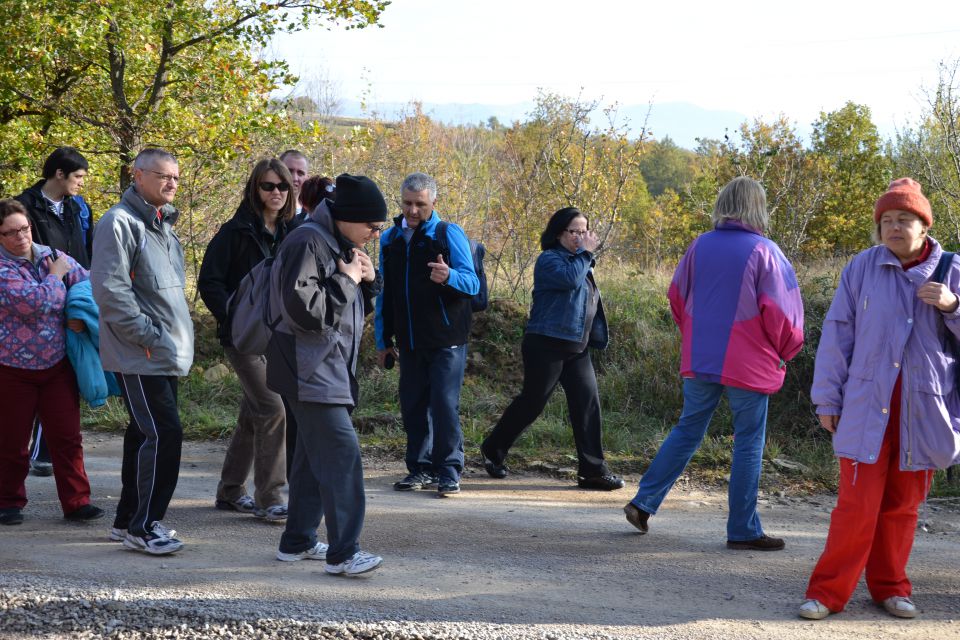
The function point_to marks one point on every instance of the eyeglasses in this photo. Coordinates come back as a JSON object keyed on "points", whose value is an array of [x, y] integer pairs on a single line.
{"points": [[165, 177], [376, 228], [283, 187], [22, 231], [576, 232]]}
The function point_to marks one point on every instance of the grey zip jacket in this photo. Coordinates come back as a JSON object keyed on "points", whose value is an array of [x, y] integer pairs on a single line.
{"points": [[138, 282], [312, 354]]}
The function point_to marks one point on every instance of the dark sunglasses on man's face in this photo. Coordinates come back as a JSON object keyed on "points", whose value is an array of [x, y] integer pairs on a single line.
{"points": [[270, 186]]}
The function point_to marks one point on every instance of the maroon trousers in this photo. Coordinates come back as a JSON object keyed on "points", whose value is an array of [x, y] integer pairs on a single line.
{"points": [[52, 394]]}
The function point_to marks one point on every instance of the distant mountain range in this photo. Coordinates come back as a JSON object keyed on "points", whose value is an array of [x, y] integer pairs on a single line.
{"points": [[681, 121]]}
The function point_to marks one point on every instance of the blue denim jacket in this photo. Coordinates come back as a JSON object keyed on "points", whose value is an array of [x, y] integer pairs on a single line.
{"points": [[560, 291]]}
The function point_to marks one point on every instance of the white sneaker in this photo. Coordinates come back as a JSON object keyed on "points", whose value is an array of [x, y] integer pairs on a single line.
{"points": [[316, 552], [813, 610], [155, 542], [900, 606], [360, 562], [118, 535]]}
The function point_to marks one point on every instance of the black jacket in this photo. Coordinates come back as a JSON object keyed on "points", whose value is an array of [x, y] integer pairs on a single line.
{"points": [[238, 246], [417, 312], [63, 235]]}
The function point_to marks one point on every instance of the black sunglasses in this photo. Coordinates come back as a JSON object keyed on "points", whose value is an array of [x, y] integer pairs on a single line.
{"points": [[270, 186]]}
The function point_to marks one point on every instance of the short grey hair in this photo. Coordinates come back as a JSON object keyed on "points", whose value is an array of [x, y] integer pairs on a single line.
{"points": [[149, 157], [420, 182], [742, 199]]}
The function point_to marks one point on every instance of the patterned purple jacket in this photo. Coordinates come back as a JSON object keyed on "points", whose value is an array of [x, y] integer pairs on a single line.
{"points": [[32, 302]]}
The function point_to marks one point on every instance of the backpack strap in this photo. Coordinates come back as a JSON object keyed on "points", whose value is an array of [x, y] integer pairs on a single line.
{"points": [[442, 236], [946, 259]]}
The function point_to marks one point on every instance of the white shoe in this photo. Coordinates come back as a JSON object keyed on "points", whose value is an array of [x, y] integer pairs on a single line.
{"points": [[118, 535], [316, 552], [813, 610], [900, 606], [360, 562], [156, 541]]}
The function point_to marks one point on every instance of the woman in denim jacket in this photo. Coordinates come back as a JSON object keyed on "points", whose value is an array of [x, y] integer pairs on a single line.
{"points": [[566, 319], [884, 385]]}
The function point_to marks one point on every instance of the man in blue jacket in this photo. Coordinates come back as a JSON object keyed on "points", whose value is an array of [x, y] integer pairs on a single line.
{"points": [[423, 319]]}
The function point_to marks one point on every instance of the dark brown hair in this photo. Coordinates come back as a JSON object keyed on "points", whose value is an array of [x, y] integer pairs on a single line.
{"points": [[252, 192], [9, 206], [314, 189]]}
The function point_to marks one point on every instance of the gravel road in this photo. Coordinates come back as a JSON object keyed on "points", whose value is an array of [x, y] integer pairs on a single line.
{"points": [[525, 557]]}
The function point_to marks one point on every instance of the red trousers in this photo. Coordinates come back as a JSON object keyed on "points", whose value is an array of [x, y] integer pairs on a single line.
{"points": [[872, 527], [52, 394]]}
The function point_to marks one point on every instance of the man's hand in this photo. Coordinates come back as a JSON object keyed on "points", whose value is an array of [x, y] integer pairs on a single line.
{"points": [[439, 271], [368, 273], [59, 267], [353, 269], [76, 325], [829, 423], [383, 354]]}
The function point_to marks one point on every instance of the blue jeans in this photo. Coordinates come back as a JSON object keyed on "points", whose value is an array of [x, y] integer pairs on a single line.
{"points": [[430, 381], [700, 399]]}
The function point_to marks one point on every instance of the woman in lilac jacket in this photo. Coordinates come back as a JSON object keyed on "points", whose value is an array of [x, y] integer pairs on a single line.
{"points": [[885, 387], [735, 298]]}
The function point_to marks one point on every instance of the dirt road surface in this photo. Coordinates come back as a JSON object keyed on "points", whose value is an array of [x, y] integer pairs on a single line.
{"points": [[525, 557]]}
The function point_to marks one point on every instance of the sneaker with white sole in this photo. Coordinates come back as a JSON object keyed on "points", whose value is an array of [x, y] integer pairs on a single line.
{"points": [[316, 552], [813, 610], [155, 541], [243, 504], [900, 607], [119, 535], [360, 562], [276, 513]]}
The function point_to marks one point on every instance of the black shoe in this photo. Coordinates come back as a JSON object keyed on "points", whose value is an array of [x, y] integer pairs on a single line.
{"points": [[637, 517], [606, 482], [763, 543], [415, 482], [84, 513], [41, 468], [11, 515], [447, 487], [494, 469]]}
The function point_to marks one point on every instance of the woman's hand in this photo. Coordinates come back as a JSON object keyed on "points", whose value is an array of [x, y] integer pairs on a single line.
{"points": [[590, 241], [59, 267], [76, 325], [938, 295], [829, 422]]}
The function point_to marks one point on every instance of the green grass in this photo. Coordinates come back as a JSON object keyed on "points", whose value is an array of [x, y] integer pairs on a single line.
{"points": [[640, 391]]}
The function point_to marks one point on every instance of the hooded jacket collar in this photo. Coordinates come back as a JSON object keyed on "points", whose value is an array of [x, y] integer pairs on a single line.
{"points": [[135, 203]]}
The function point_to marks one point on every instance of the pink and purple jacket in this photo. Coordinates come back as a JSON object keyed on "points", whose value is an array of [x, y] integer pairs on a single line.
{"points": [[32, 303], [737, 303]]}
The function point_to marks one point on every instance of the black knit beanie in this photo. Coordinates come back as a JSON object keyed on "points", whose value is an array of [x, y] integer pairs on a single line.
{"points": [[358, 200]]}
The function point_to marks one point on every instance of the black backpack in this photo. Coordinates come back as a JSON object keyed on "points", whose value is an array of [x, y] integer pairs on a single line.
{"points": [[481, 299]]}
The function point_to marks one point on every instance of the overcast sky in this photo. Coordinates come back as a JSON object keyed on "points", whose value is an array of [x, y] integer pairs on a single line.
{"points": [[756, 58]]}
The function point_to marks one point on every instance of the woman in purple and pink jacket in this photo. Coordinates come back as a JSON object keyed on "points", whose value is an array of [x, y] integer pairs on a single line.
{"points": [[885, 386], [735, 298], [35, 373]]}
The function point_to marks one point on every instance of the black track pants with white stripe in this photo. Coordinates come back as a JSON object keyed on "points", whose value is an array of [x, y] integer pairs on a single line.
{"points": [[151, 451]]}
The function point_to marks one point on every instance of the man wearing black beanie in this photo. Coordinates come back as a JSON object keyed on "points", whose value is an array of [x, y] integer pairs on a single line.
{"points": [[322, 284]]}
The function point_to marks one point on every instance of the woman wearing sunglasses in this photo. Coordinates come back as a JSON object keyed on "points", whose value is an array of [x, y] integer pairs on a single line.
{"points": [[262, 220]]}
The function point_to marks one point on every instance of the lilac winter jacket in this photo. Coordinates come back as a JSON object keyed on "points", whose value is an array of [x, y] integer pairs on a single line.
{"points": [[875, 329]]}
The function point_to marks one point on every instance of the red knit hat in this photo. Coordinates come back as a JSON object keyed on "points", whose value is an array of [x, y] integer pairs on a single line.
{"points": [[904, 194]]}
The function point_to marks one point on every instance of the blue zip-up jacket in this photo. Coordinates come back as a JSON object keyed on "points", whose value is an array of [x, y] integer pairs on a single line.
{"points": [[83, 349], [413, 311]]}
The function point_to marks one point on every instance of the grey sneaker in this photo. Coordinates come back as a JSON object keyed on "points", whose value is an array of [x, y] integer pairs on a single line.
{"points": [[447, 488], [813, 610], [900, 607], [276, 513], [316, 552], [360, 562], [243, 504], [415, 482], [152, 542], [41, 468]]}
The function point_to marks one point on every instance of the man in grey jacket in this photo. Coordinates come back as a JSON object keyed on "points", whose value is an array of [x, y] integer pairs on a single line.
{"points": [[146, 338], [322, 285]]}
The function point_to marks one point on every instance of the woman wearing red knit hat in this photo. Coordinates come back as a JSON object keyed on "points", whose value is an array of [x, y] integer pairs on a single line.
{"points": [[884, 386]]}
